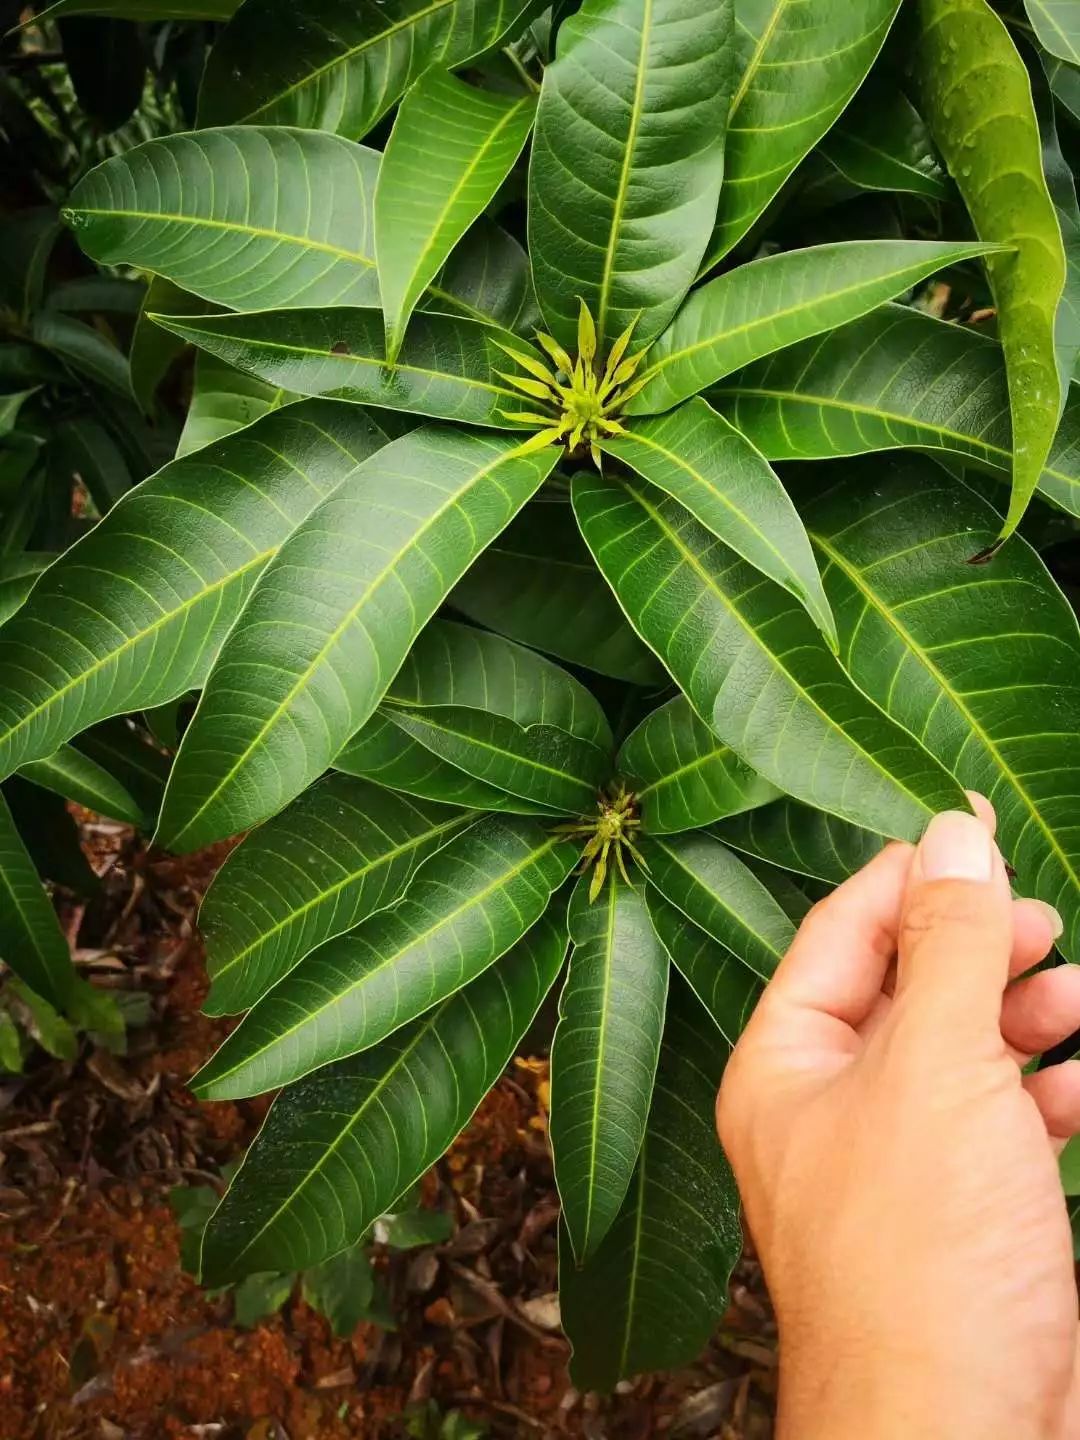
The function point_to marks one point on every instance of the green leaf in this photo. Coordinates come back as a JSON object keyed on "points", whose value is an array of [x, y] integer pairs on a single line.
{"points": [[701, 460], [338, 64], [682, 775], [800, 70], [895, 378], [748, 657], [770, 303], [31, 941], [258, 1296], [338, 1149], [467, 905], [658, 1285], [383, 752], [81, 445], [537, 583], [603, 1058], [981, 664], [246, 217], [10, 405], [451, 148], [133, 614], [97, 293], [84, 350], [445, 368], [883, 143], [798, 837], [224, 399], [342, 1288], [488, 277], [342, 851], [637, 87], [386, 546], [712, 887], [45, 1023], [28, 240], [153, 350], [11, 1053], [77, 777], [17, 575], [964, 47], [1057, 27], [149, 11], [727, 989]]}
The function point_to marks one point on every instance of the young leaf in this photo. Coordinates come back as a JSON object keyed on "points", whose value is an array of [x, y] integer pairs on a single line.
{"points": [[652, 1294], [342, 851], [682, 775], [32, 944], [798, 837], [340, 64], [727, 989], [636, 86], [603, 1058], [713, 887], [770, 303], [446, 367], [748, 657], [963, 46], [538, 584], [701, 460], [917, 634], [895, 378], [387, 547], [801, 67], [133, 614], [451, 148], [338, 1149], [467, 905]]}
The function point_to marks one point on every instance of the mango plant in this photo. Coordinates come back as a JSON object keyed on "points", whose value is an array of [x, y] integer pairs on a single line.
{"points": [[529, 646]]}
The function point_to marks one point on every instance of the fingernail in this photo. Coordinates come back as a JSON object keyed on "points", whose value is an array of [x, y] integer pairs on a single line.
{"points": [[956, 847], [1057, 925]]}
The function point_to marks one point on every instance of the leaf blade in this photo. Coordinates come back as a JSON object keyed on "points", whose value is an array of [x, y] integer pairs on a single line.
{"points": [[31, 941]]}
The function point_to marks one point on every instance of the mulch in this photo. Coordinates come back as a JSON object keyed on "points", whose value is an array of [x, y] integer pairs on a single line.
{"points": [[102, 1335]]}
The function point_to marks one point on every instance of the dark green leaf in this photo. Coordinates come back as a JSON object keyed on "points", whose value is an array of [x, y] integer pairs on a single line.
{"points": [[682, 775], [84, 349], [468, 904], [711, 469], [749, 658], [31, 941], [603, 1059], [82, 446], [133, 614], [145, 10], [652, 1295], [106, 65], [339, 1148], [451, 148], [224, 399], [981, 664], [76, 777], [153, 349], [638, 86], [97, 293], [17, 574], [727, 989], [258, 1296], [28, 239], [342, 1288], [800, 838], [387, 547], [340, 852], [770, 303], [882, 143], [488, 278], [964, 47]]}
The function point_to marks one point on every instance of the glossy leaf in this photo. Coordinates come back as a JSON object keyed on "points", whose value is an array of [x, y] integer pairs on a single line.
{"points": [[446, 367], [658, 1285], [748, 657], [340, 64], [761, 307], [712, 887], [1057, 26], [467, 905], [133, 614], [990, 688], [386, 546], [338, 1149], [538, 584], [17, 575], [77, 777], [32, 944], [727, 989], [603, 1058], [895, 378], [882, 143], [342, 851], [800, 69], [636, 86], [682, 775], [451, 148], [224, 399], [964, 47], [797, 837], [709, 467]]}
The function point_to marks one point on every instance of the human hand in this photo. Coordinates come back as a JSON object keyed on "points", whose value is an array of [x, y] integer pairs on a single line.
{"points": [[897, 1169]]}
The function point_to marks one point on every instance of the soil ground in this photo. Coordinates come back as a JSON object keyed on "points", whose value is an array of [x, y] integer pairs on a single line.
{"points": [[103, 1337]]}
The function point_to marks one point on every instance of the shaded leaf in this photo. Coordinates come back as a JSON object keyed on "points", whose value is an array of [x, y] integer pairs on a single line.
{"points": [[82, 446], [342, 1288], [144, 10], [727, 989], [224, 399], [32, 944], [488, 277], [882, 143], [77, 777], [17, 574], [84, 349], [798, 837], [105, 63]]}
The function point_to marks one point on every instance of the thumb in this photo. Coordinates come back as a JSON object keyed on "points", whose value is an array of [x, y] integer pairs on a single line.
{"points": [[955, 930]]}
